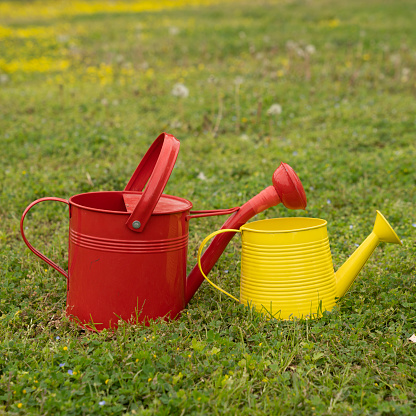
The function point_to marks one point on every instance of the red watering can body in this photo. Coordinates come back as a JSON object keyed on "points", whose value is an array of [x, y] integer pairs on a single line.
{"points": [[128, 249]]}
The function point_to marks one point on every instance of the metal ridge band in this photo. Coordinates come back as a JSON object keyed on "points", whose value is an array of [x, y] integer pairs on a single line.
{"points": [[282, 294], [289, 281], [128, 246], [284, 248]]}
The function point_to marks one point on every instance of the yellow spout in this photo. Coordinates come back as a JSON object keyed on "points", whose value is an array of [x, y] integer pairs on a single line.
{"points": [[347, 273]]}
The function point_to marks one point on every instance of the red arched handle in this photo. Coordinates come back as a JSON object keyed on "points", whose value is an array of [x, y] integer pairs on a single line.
{"points": [[38, 253], [155, 167]]}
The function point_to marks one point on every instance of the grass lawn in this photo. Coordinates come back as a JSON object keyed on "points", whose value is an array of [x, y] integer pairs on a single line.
{"points": [[85, 88]]}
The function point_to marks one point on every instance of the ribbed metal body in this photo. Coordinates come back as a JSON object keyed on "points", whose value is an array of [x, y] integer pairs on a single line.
{"points": [[286, 267], [115, 273]]}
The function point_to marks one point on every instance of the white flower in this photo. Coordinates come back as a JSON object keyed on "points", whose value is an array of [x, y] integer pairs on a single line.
{"points": [[405, 74], [62, 38], [202, 177], [274, 110], [395, 59], [300, 51], [175, 125], [179, 90], [310, 49], [238, 81], [290, 44], [173, 30]]}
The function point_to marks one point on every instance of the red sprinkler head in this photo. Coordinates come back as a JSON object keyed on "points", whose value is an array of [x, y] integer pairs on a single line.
{"points": [[289, 187]]}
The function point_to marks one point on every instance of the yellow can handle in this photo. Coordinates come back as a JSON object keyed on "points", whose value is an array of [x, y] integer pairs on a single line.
{"points": [[225, 230]]}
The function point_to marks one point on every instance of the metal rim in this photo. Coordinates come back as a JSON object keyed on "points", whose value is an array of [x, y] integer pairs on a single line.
{"points": [[320, 223], [105, 211]]}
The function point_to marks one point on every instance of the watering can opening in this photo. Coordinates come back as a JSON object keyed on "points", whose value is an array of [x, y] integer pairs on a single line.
{"points": [[284, 225], [100, 201], [124, 202], [167, 204], [116, 202], [285, 231]]}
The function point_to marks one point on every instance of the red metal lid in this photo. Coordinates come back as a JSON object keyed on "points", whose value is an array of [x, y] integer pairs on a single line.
{"points": [[167, 204]]}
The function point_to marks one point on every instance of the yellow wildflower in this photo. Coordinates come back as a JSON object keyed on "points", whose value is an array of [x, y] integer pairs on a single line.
{"points": [[334, 23]]}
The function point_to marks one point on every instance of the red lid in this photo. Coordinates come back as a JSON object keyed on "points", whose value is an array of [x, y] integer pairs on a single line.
{"points": [[167, 204]]}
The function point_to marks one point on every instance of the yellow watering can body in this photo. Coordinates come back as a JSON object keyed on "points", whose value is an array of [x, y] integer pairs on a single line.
{"points": [[286, 265]]}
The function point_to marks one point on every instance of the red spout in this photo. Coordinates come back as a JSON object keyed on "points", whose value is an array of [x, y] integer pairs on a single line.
{"points": [[287, 188]]}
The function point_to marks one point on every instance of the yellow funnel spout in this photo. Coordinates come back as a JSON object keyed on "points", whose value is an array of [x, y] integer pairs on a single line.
{"points": [[347, 273]]}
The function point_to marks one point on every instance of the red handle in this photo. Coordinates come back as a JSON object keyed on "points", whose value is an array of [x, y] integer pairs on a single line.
{"points": [[38, 253], [155, 167]]}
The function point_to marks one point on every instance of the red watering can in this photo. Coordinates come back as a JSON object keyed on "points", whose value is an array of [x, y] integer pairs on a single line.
{"points": [[128, 250]]}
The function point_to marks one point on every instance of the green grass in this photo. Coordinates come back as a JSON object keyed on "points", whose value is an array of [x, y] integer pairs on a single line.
{"points": [[348, 129]]}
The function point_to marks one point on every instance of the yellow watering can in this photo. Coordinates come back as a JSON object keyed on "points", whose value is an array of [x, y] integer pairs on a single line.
{"points": [[286, 265]]}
